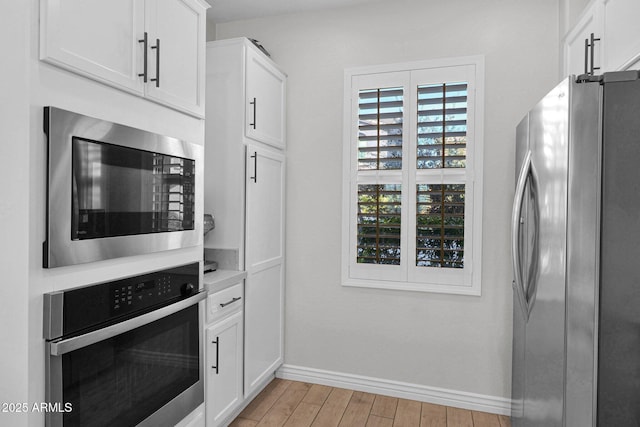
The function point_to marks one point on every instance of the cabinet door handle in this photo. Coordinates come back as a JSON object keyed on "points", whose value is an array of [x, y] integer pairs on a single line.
{"points": [[589, 49], [255, 106], [255, 167], [145, 43], [224, 304], [593, 48], [217, 343], [157, 48]]}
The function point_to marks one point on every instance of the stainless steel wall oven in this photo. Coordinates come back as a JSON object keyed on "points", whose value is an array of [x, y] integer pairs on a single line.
{"points": [[115, 191], [127, 352]]}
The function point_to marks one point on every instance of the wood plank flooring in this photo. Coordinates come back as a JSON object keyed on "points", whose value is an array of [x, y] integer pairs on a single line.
{"points": [[296, 404]]}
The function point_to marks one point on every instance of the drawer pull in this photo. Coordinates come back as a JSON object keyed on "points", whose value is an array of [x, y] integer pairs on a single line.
{"points": [[224, 304]]}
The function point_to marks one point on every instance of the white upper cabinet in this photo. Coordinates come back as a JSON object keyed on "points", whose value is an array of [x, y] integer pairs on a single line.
{"points": [[613, 22], [105, 41], [178, 77], [574, 43], [105, 49], [265, 100], [621, 34]]}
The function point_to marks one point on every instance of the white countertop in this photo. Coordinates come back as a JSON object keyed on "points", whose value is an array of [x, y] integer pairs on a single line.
{"points": [[218, 280]]}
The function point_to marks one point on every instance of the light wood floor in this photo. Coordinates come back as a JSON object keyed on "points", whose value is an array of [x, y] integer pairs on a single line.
{"points": [[297, 404]]}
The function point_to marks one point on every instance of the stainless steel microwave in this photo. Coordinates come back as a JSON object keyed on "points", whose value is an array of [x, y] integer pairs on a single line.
{"points": [[115, 191]]}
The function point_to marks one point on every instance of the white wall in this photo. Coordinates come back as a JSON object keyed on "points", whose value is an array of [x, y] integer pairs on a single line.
{"points": [[14, 204], [453, 342]]}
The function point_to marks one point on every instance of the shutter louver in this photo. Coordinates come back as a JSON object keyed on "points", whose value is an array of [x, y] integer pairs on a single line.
{"points": [[380, 118], [379, 221], [442, 126], [440, 225]]}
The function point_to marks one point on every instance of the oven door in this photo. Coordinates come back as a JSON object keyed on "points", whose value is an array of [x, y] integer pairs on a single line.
{"points": [[143, 371]]}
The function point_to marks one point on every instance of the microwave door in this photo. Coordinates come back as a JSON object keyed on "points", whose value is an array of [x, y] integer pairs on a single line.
{"points": [[116, 191]]}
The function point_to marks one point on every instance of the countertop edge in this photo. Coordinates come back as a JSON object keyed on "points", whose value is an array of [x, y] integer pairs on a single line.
{"points": [[221, 279]]}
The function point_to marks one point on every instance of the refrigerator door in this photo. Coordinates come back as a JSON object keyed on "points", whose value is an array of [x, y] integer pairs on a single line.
{"points": [[619, 321], [541, 270], [583, 233], [519, 252]]}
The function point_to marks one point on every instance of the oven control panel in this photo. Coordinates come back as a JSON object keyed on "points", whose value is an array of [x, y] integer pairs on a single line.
{"points": [[84, 307], [127, 297], [131, 295]]}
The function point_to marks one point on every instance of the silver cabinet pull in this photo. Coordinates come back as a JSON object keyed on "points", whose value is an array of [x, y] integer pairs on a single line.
{"points": [[157, 48], [224, 304], [217, 343], [589, 48], [255, 167], [145, 44], [255, 106]]}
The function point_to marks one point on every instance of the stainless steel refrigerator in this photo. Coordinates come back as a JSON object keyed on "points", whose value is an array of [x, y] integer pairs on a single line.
{"points": [[576, 256]]}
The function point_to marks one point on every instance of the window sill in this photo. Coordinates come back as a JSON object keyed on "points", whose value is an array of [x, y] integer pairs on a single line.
{"points": [[415, 287]]}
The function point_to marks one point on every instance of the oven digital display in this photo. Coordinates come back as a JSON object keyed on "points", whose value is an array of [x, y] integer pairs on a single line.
{"points": [[149, 284]]}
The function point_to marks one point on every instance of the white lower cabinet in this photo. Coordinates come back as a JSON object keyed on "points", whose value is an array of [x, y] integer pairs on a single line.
{"points": [[224, 356], [264, 326]]}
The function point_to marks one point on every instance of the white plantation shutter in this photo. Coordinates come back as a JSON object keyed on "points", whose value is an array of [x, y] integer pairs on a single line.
{"points": [[413, 146], [379, 224], [440, 225], [442, 125], [380, 119]]}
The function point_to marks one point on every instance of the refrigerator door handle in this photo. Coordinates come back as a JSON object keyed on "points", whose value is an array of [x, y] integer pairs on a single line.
{"points": [[527, 173]]}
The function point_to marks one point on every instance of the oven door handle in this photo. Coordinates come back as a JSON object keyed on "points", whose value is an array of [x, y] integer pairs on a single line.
{"points": [[58, 348]]}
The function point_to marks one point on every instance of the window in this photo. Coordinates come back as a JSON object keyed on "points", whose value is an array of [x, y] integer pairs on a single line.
{"points": [[413, 176]]}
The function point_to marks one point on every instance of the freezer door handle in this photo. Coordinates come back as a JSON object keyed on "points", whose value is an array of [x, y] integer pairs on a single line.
{"points": [[526, 296]]}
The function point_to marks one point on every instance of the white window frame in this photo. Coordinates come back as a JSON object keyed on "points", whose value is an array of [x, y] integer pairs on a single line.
{"points": [[407, 276]]}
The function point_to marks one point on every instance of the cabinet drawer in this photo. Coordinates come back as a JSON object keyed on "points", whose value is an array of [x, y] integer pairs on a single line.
{"points": [[225, 302]]}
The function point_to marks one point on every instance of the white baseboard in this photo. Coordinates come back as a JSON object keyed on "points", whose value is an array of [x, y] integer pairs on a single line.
{"points": [[439, 396]]}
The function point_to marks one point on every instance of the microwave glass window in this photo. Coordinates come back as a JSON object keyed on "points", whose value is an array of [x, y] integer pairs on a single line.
{"points": [[120, 191], [122, 380]]}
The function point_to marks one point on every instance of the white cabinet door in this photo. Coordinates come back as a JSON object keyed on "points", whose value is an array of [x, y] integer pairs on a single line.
{"points": [[176, 53], [96, 38], [621, 34], [265, 101], [264, 288], [224, 368], [105, 41], [264, 207], [264, 325], [574, 43]]}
